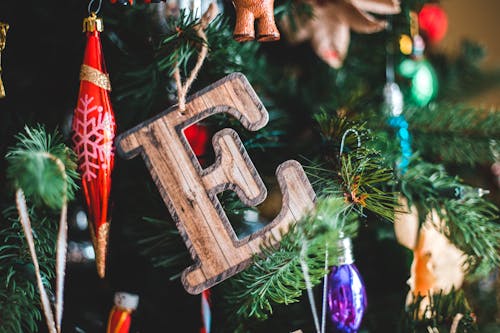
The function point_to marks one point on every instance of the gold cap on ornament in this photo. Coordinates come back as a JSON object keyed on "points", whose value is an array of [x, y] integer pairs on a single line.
{"points": [[93, 23]]}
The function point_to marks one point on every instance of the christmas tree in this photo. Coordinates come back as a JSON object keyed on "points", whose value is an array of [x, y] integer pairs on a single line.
{"points": [[387, 220]]}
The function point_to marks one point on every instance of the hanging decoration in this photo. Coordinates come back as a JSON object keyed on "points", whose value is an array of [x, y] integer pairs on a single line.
{"points": [[120, 317], [347, 299], [190, 192], [94, 131], [4, 27], [394, 104], [424, 82], [433, 22], [329, 28], [251, 12], [438, 265], [206, 312]]}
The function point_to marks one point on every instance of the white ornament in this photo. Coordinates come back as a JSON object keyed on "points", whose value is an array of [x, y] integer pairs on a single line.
{"points": [[393, 98]]}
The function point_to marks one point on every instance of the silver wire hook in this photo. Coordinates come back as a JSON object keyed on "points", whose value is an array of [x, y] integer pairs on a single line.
{"points": [[98, 8], [345, 135]]}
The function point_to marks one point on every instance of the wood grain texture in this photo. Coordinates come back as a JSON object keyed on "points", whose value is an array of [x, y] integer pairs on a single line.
{"points": [[190, 192]]}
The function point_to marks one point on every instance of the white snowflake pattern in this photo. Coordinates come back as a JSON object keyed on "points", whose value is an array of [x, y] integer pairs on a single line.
{"points": [[93, 137]]}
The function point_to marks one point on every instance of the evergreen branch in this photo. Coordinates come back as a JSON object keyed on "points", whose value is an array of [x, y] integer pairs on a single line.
{"points": [[19, 300], [461, 76], [362, 180], [439, 314], [160, 241], [454, 133], [162, 244], [332, 127], [471, 221], [276, 276], [364, 175], [33, 166]]}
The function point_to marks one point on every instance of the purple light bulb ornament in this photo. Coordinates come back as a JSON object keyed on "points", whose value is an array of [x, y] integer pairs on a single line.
{"points": [[346, 292]]}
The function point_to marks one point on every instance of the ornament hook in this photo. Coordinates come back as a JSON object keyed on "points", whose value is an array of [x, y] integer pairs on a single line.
{"points": [[91, 3], [345, 135]]}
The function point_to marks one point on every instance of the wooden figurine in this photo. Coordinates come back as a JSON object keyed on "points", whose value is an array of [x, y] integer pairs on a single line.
{"points": [[190, 192], [249, 11]]}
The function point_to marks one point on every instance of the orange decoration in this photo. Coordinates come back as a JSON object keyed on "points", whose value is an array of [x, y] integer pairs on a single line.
{"points": [[422, 269], [120, 317], [438, 265]]}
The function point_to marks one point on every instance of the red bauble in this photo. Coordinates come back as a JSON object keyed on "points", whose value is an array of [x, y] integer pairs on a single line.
{"points": [[433, 22], [197, 136], [94, 131]]}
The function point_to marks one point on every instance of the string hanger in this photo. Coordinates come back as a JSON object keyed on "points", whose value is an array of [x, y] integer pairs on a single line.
{"points": [[183, 88], [91, 3]]}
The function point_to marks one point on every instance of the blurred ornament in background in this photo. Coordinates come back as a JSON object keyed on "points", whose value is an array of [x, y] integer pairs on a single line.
{"points": [[393, 99], [495, 169], [161, 12], [80, 253], [120, 317], [81, 220], [198, 137], [433, 22], [122, 2], [206, 311], [347, 299], [424, 81], [4, 27], [329, 27], [405, 44], [418, 46], [437, 265], [401, 125]]}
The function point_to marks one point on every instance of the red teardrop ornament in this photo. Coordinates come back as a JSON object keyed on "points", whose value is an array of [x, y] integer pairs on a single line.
{"points": [[94, 131]]}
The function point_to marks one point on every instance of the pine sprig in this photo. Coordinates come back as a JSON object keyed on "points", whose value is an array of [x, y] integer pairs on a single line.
{"points": [[179, 47], [362, 181], [33, 167], [471, 221], [364, 176], [276, 276], [439, 314]]}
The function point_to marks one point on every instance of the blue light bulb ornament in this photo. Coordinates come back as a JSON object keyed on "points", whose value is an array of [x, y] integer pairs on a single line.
{"points": [[347, 299]]}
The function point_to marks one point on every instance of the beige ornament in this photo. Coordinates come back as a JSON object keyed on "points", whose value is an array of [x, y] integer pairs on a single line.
{"points": [[329, 28], [438, 265], [190, 192]]}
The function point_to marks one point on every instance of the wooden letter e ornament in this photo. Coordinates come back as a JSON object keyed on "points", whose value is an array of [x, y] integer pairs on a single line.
{"points": [[190, 192]]}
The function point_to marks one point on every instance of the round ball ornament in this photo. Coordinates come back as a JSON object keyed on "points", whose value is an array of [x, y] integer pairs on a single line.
{"points": [[433, 22]]}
